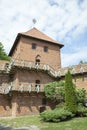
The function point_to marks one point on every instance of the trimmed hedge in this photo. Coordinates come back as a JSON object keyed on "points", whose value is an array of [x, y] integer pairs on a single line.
{"points": [[81, 111], [56, 115]]}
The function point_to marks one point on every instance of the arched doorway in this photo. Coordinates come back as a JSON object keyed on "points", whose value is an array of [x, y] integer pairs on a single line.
{"points": [[37, 60], [37, 85]]}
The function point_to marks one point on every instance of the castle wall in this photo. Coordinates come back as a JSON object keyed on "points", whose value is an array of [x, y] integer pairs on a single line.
{"points": [[5, 105], [29, 103], [29, 77], [25, 52], [16, 53], [81, 81], [25, 103], [4, 81]]}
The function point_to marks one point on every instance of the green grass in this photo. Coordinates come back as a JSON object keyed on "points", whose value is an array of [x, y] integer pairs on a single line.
{"points": [[74, 124]]}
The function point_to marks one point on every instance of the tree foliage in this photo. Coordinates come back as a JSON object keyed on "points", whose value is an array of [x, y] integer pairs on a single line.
{"points": [[73, 104], [54, 90], [81, 95], [3, 55], [70, 95]]}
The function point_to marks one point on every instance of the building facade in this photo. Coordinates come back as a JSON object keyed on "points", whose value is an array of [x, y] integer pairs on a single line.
{"points": [[35, 61]]}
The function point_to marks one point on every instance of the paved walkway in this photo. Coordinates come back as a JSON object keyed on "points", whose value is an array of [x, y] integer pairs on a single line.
{"points": [[22, 128]]}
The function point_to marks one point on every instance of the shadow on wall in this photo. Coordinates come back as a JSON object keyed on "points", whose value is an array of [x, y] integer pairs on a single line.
{"points": [[5, 101]]}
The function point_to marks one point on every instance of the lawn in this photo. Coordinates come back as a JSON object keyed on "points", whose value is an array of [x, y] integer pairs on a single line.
{"points": [[74, 124]]}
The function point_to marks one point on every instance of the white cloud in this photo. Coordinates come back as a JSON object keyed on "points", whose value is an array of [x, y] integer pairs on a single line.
{"points": [[74, 58], [60, 19]]}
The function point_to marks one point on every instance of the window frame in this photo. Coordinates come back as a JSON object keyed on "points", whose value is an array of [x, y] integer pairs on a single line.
{"points": [[45, 48], [44, 101], [34, 46]]}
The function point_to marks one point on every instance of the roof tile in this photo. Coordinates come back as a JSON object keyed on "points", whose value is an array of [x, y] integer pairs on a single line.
{"points": [[40, 35]]}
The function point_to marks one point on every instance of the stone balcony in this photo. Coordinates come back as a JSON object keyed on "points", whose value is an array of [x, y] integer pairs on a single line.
{"points": [[75, 69], [22, 87], [30, 65], [10, 67]]}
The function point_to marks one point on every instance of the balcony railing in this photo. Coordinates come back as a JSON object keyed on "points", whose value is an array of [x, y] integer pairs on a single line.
{"points": [[31, 87], [32, 65], [24, 87], [10, 67]]}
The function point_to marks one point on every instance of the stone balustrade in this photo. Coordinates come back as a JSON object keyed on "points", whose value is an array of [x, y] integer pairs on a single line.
{"points": [[76, 69], [22, 87]]}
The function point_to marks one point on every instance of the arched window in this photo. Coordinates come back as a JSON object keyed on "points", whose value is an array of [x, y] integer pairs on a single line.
{"points": [[37, 60]]}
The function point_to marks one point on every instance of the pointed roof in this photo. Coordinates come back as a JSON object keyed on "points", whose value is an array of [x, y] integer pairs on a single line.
{"points": [[36, 34]]}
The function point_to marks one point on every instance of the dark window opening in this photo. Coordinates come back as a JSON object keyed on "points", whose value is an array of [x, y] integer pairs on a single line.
{"points": [[45, 49], [34, 46], [44, 102], [37, 81], [37, 62], [42, 109], [37, 84]]}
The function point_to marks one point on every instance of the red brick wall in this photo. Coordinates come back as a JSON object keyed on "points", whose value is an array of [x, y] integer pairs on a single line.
{"points": [[29, 103], [5, 105], [24, 76], [4, 80], [24, 51], [81, 81], [26, 103]]}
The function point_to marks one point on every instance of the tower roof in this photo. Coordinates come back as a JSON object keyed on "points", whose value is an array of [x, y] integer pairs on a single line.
{"points": [[34, 33]]}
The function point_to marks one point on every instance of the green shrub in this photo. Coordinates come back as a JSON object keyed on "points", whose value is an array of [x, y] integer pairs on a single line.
{"points": [[81, 111], [80, 94], [56, 115], [60, 105], [50, 90], [55, 90]]}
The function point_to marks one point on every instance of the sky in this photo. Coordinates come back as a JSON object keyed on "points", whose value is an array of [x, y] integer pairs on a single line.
{"points": [[63, 20]]}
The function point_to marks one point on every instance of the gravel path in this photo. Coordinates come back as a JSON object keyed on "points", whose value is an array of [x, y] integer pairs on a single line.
{"points": [[22, 128]]}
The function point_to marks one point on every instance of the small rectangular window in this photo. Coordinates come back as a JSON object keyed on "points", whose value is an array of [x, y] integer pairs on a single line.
{"points": [[45, 49], [33, 46], [44, 102]]}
